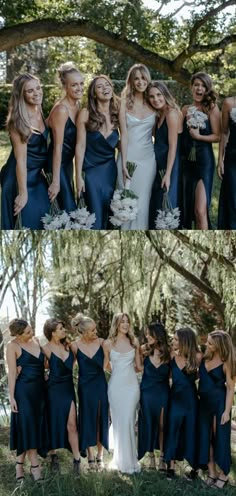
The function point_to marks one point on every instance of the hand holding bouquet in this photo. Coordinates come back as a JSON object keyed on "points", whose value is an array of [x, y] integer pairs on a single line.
{"points": [[124, 203]]}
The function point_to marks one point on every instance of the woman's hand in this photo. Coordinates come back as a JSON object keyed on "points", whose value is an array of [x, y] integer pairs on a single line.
{"points": [[165, 183], [125, 174], [80, 186], [225, 418], [14, 407], [20, 202], [194, 133], [53, 191], [220, 169]]}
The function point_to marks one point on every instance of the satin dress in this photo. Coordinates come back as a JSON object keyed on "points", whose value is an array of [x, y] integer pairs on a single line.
{"points": [[141, 151], [38, 203], [100, 175], [123, 394], [181, 439], [60, 396], [161, 148], [28, 427], [93, 400], [212, 393], [154, 398], [66, 196], [194, 171], [227, 202]]}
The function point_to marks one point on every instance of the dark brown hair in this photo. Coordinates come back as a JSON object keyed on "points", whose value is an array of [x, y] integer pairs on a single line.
{"points": [[210, 96], [188, 348], [50, 326], [96, 119], [158, 332], [17, 326]]}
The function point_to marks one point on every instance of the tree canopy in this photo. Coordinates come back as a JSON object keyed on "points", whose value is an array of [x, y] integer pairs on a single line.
{"points": [[170, 45]]}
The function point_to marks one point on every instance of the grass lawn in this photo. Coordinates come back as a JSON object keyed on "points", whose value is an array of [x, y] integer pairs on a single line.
{"points": [[5, 150], [107, 483]]}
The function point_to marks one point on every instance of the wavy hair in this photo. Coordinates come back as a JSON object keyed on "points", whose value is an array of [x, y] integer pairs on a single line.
{"points": [[158, 332], [50, 326], [116, 321], [224, 346], [169, 99], [129, 91], [210, 96], [18, 118], [188, 348], [96, 119]]}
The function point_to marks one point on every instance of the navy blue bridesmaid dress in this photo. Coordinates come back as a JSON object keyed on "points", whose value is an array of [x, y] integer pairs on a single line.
{"points": [[60, 396], [161, 148], [93, 400], [38, 203], [100, 174], [212, 393], [181, 439], [227, 202], [154, 397], [66, 196], [193, 171], [28, 426]]}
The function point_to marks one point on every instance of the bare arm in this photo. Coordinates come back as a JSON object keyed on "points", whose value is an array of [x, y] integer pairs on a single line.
{"points": [[107, 349], [173, 124], [214, 137], [57, 121], [12, 375], [123, 138], [20, 152], [138, 364], [230, 384], [80, 148], [224, 137]]}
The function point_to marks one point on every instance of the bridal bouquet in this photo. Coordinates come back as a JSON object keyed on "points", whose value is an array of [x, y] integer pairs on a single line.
{"points": [[124, 203], [195, 119], [77, 219], [168, 217]]}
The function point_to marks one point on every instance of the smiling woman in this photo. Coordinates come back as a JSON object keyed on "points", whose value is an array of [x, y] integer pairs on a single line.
{"points": [[24, 190]]}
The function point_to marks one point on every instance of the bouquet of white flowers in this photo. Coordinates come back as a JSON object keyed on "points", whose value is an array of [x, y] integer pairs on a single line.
{"points": [[168, 217], [195, 119], [124, 203], [77, 219], [233, 114]]}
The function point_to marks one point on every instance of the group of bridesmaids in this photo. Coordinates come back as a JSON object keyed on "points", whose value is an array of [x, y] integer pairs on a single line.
{"points": [[40, 167], [174, 417]]}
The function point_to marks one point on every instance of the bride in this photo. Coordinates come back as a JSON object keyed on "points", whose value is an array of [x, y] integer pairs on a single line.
{"points": [[139, 119], [122, 351]]}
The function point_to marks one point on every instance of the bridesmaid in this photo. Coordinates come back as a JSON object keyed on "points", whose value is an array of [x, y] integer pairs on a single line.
{"points": [[97, 138], [62, 126], [198, 172], [26, 387], [138, 120], [181, 440], [92, 390], [24, 189], [216, 390], [61, 402], [168, 133], [227, 167], [154, 395]]}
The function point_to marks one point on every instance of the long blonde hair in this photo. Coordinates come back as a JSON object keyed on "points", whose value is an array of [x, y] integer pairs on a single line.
{"points": [[188, 348], [129, 91], [224, 346], [116, 321], [18, 117]]}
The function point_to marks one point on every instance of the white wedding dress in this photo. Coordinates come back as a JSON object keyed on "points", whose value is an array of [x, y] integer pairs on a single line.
{"points": [[123, 395], [141, 151]]}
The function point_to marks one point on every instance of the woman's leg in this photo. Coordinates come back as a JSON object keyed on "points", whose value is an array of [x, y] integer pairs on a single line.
{"points": [[20, 466], [200, 206], [73, 432], [35, 469]]}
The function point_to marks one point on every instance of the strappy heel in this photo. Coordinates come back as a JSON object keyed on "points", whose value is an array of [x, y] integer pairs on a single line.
{"points": [[76, 467], [55, 465], [22, 477], [224, 482], [210, 481], [40, 479], [91, 464], [162, 464], [100, 463], [152, 461]]}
